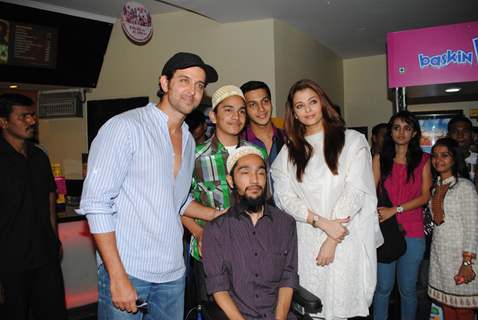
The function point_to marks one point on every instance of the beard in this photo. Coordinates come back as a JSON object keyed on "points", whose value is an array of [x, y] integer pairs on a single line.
{"points": [[251, 204]]}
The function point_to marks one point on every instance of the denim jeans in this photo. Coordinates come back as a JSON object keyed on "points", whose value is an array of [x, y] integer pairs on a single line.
{"points": [[406, 269], [165, 300]]}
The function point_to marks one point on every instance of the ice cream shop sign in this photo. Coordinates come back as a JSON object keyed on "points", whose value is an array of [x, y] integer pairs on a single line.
{"points": [[136, 22], [444, 54]]}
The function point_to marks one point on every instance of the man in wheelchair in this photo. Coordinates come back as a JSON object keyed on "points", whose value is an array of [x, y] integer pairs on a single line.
{"points": [[250, 253]]}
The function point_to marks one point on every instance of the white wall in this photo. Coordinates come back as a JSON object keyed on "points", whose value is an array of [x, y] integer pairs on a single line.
{"points": [[297, 56]]}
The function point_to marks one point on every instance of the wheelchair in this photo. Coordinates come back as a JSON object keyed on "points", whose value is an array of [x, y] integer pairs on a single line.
{"points": [[303, 303]]}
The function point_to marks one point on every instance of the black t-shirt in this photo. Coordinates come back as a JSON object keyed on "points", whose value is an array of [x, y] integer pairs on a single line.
{"points": [[27, 239]]}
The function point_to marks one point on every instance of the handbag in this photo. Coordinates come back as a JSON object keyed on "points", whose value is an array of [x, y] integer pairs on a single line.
{"points": [[394, 245]]}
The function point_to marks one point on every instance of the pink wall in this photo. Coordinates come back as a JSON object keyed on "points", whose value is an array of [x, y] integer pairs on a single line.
{"points": [[444, 54]]}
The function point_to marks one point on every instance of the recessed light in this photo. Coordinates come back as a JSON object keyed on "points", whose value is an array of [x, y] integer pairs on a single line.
{"points": [[452, 90], [13, 86]]}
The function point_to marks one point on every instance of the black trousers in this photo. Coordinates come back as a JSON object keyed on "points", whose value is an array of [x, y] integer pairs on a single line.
{"points": [[39, 292]]}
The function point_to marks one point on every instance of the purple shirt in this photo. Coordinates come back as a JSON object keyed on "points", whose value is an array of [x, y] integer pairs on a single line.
{"points": [[251, 262], [277, 141]]}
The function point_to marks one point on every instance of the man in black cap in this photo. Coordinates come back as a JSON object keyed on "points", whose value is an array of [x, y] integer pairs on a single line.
{"points": [[139, 173]]}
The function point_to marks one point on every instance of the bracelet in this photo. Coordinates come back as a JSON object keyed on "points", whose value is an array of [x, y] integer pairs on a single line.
{"points": [[315, 219]]}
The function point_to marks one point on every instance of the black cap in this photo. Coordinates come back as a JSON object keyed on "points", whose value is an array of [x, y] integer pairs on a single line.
{"points": [[183, 60]]}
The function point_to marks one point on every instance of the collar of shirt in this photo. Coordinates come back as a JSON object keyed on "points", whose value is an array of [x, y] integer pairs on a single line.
{"points": [[6, 147], [451, 181], [251, 137], [163, 118], [214, 146], [217, 145]]}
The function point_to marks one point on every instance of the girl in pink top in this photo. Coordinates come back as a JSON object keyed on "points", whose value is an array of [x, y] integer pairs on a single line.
{"points": [[406, 175]]}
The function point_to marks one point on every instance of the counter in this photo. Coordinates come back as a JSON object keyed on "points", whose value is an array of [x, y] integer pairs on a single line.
{"points": [[79, 260]]}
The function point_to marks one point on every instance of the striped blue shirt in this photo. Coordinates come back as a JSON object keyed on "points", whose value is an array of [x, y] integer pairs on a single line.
{"points": [[131, 189]]}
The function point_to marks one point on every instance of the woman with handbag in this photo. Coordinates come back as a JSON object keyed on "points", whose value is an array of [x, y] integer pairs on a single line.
{"points": [[403, 170], [454, 207], [323, 178]]}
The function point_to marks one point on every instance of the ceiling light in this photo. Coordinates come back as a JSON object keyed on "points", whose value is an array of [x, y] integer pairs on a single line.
{"points": [[13, 86], [452, 90]]}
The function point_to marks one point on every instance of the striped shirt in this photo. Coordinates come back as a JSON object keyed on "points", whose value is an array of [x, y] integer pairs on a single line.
{"points": [[209, 184], [131, 190]]}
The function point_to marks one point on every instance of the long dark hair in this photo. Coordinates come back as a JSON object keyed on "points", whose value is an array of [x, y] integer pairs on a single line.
{"points": [[414, 151], [459, 166], [300, 151]]}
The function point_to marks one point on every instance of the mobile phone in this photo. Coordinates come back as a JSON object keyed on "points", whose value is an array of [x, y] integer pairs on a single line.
{"points": [[141, 305]]}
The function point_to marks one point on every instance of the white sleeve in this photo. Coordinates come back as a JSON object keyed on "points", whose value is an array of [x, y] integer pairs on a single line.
{"points": [[468, 207], [359, 181], [108, 163], [285, 196], [349, 203]]}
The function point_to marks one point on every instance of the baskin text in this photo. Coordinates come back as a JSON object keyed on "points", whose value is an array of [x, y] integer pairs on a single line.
{"points": [[446, 58]]}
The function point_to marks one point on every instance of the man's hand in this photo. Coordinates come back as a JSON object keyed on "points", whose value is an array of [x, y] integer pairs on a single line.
{"points": [[217, 213], [335, 229], [123, 294], [327, 252], [385, 213]]}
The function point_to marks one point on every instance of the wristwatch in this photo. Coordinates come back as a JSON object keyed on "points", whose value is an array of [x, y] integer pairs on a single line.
{"points": [[400, 209], [315, 220], [467, 263]]}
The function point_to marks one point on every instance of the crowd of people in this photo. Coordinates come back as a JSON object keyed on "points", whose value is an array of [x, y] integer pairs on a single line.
{"points": [[268, 209]]}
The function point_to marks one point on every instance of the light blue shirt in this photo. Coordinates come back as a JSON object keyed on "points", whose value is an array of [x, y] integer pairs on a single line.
{"points": [[131, 189]]}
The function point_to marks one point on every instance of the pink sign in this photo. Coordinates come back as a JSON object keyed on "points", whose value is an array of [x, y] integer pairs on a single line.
{"points": [[445, 54]]}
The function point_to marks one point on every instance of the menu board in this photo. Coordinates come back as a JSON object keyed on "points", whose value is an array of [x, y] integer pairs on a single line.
{"points": [[24, 44]]}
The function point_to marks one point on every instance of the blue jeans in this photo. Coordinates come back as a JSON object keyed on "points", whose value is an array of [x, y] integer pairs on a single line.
{"points": [[165, 300], [406, 269]]}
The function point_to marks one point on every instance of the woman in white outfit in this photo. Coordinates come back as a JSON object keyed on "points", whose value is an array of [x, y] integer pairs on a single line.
{"points": [[323, 177]]}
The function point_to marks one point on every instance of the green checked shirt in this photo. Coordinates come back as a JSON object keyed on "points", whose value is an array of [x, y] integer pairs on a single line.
{"points": [[209, 185]]}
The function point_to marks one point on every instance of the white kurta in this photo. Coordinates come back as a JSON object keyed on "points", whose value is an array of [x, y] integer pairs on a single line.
{"points": [[346, 286], [456, 235]]}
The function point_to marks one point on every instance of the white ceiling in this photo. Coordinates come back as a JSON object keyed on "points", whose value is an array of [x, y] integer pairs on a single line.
{"points": [[351, 28]]}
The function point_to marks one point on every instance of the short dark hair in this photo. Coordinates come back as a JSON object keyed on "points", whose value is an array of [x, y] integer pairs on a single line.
{"points": [[254, 85], [379, 127], [195, 119], [459, 166], [459, 118], [169, 75], [8, 100]]}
